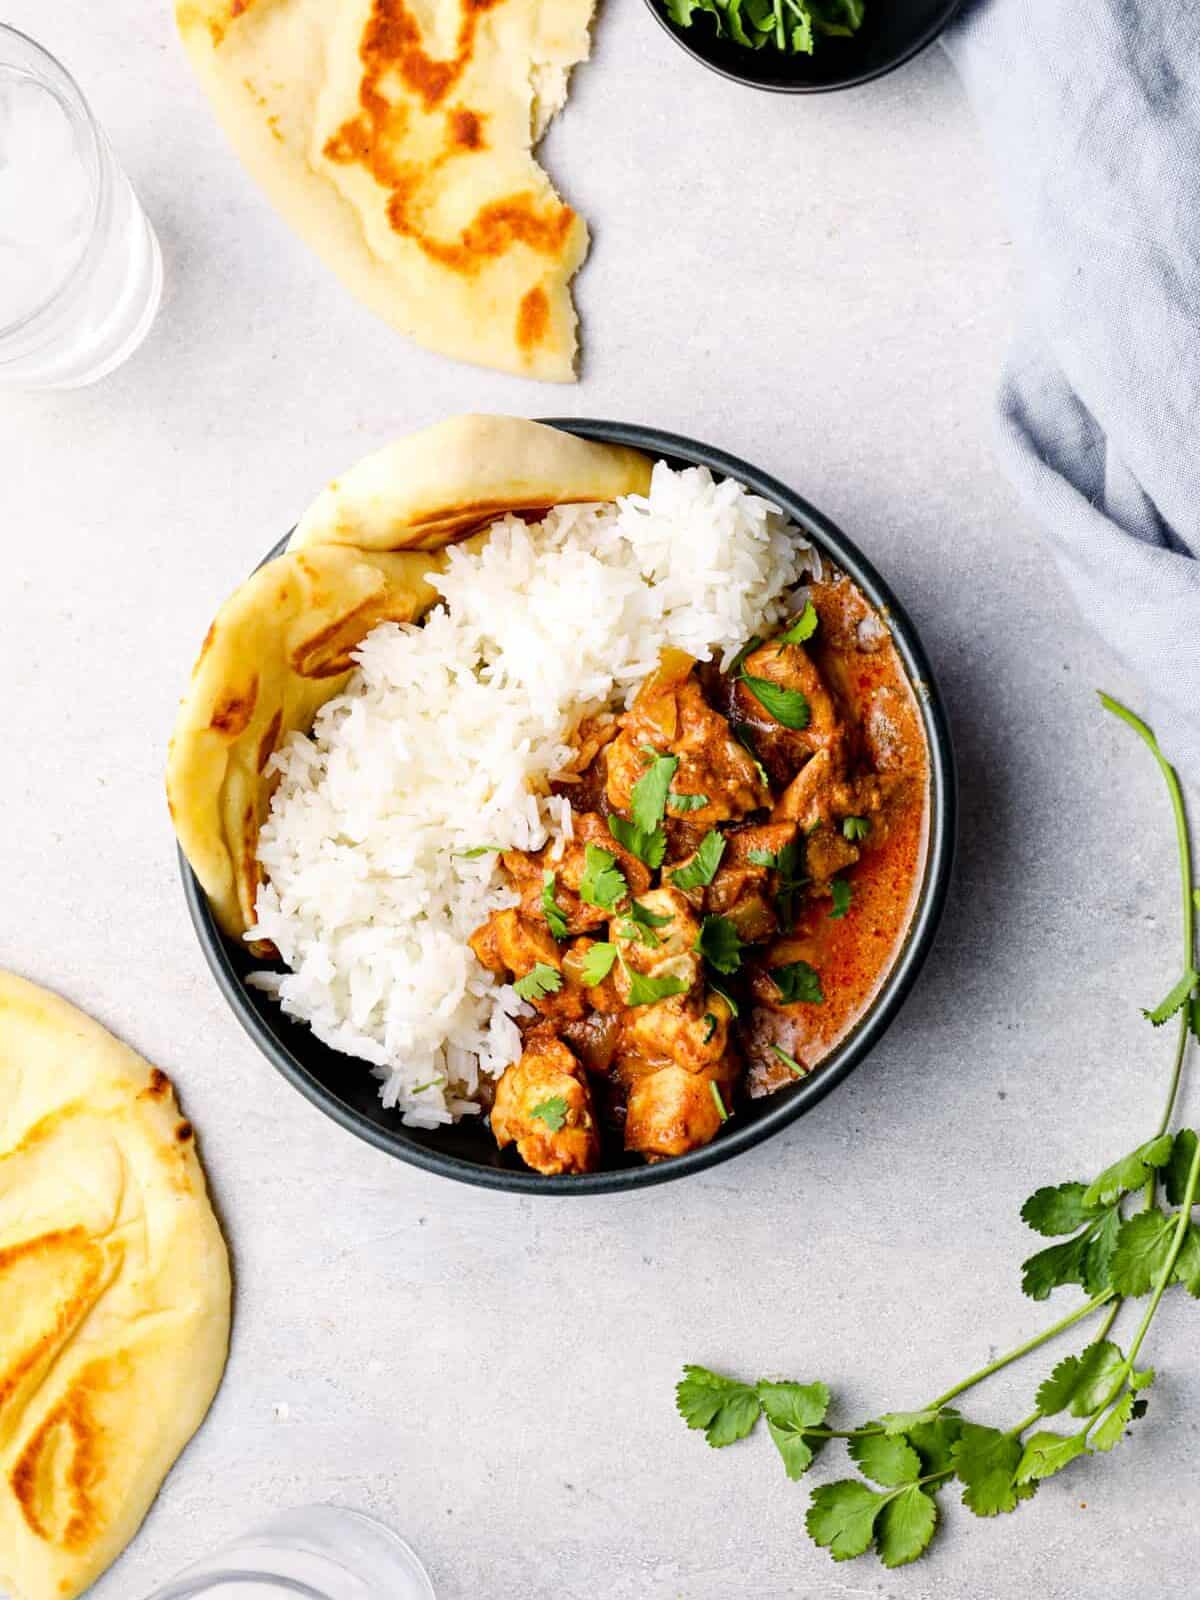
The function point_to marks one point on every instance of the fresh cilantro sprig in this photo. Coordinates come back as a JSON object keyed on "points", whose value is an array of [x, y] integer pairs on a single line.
{"points": [[541, 981], [555, 918], [790, 26], [603, 883], [700, 871], [1113, 1236]]}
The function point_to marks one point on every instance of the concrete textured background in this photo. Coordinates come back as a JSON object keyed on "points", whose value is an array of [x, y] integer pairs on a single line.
{"points": [[825, 286]]}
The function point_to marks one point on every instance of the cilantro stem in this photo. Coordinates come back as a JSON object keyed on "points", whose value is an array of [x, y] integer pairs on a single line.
{"points": [[1020, 1350], [1146, 734], [1034, 1416], [1182, 1223]]}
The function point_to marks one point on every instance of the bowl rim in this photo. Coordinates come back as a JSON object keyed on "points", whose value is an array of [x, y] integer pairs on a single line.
{"points": [[862, 1038], [920, 41]]}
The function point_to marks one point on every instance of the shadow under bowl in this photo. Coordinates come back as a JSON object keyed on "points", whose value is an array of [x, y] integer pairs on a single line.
{"points": [[345, 1090], [893, 32]]}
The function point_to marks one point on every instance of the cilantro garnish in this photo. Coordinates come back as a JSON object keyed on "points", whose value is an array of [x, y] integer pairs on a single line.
{"points": [[719, 944], [710, 1026], [644, 991], [434, 1083], [702, 868], [787, 706], [748, 649], [630, 931], [798, 981], [1129, 1233], [648, 797], [686, 802], [552, 1112], [746, 739], [761, 858], [803, 628], [536, 985], [719, 988], [647, 847], [555, 920], [842, 896], [649, 919], [717, 1100], [478, 850], [603, 883], [789, 864], [597, 964], [790, 1062], [642, 923], [854, 828], [788, 26]]}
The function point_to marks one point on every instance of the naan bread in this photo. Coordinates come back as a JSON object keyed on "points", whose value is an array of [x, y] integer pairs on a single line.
{"points": [[281, 645], [114, 1293], [395, 136]]}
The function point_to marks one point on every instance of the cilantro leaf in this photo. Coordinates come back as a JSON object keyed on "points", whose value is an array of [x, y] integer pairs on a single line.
{"points": [[1084, 1383], [478, 850], [790, 865], [795, 1406], [1194, 1017], [1130, 1173], [893, 1422], [1175, 1001], [1097, 1265], [798, 981], [761, 858], [986, 1462], [648, 798], [648, 918], [1175, 1175], [748, 649], [552, 1112], [711, 1026], [555, 920], [718, 942], [536, 985], [841, 1517], [1187, 1263], [686, 802], [788, 706], [790, 1062], [934, 1438], [1060, 1210], [700, 871], [644, 991], [842, 896], [856, 828], [730, 1001], [714, 1089], [1047, 1453], [905, 1526], [887, 1459], [803, 627], [723, 1407], [1142, 1250], [649, 848], [1110, 1430], [603, 883], [1053, 1267], [597, 964]]}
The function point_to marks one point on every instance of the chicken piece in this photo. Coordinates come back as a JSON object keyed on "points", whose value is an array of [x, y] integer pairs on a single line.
{"points": [[783, 749], [692, 1033], [511, 944], [828, 852], [767, 1032], [528, 873], [679, 721], [743, 889], [814, 795], [672, 1111], [543, 1105], [657, 949]]}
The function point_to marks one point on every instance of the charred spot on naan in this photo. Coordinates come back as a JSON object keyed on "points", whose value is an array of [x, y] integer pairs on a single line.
{"points": [[533, 319], [232, 713], [54, 1479]]}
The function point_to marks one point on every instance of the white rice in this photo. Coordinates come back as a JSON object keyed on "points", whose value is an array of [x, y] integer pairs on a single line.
{"points": [[446, 738]]}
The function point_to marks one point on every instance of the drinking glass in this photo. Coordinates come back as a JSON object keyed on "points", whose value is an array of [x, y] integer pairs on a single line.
{"points": [[80, 267], [316, 1553]]}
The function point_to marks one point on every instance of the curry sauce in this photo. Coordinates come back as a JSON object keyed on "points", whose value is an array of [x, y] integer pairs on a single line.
{"points": [[746, 850]]}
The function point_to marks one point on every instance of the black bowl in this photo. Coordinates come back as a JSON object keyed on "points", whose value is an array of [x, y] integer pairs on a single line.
{"points": [[893, 32], [345, 1090]]}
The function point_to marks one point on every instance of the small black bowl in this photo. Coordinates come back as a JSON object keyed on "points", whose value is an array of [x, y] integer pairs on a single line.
{"points": [[344, 1089], [893, 32]]}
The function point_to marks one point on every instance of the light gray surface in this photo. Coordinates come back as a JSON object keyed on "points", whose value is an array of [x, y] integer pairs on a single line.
{"points": [[824, 286]]}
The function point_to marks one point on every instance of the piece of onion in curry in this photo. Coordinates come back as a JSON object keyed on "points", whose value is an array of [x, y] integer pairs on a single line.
{"points": [[746, 851]]}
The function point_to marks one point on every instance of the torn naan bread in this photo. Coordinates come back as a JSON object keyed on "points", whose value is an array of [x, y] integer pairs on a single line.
{"points": [[396, 137], [363, 553], [114, 1293]]}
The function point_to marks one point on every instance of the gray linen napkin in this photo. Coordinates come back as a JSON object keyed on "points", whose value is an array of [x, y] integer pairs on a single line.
{"points": [[1092, 108]]}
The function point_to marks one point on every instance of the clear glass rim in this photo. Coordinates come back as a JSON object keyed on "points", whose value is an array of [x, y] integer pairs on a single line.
{"points": [[205, 1583], [96, 139]]}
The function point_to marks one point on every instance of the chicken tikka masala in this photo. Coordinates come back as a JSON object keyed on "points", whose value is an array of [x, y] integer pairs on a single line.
{"points": [[745, 853]]}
